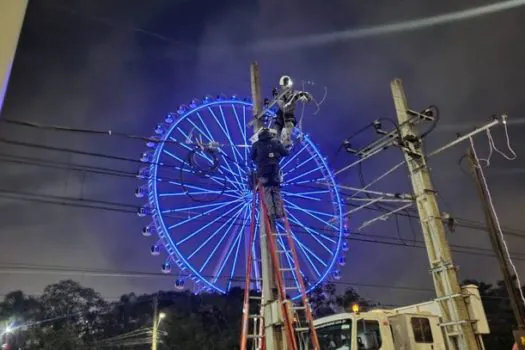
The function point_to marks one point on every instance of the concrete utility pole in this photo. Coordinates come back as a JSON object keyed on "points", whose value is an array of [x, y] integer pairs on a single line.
{"points": [[459, 327], [497, 246], [12, 13], [273, 335]]}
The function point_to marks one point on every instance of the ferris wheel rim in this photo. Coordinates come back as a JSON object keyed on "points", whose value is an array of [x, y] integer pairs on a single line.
{"points": [[163, 232]]}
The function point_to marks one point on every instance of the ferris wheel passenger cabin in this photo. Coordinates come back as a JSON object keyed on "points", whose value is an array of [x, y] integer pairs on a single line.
{"points": [[414, 327]]}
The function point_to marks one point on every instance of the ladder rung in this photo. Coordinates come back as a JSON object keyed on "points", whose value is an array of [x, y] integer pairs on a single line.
{"points": [[256, 316], [284, 251], [255, 298], [290, 288], [301, 329], [287, 269], [299, 307], [280, 234], [254, 336]]}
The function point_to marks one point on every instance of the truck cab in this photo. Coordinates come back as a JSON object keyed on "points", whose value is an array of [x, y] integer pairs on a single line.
{"points": [[414, 327], [379, 329]]}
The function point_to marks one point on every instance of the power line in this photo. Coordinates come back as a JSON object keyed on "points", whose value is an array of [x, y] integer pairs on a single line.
{"points": [[461, 222], [356, 236]]}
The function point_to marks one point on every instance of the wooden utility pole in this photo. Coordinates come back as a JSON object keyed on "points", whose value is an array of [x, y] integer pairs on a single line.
{"points": [[273, 335], [497, 246], [12, 13], [458, 326]]}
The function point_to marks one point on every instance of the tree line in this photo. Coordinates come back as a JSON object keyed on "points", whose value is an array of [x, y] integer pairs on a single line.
{"points": [[68, 316]]}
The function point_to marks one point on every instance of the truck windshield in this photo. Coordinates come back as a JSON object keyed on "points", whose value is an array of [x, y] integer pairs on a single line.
{"points": [[335, 335]]}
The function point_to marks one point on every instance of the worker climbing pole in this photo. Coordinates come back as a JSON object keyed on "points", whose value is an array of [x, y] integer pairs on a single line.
{"points": [[277, 325]]}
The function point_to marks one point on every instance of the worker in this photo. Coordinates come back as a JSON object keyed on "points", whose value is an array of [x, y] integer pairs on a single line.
{"points": [[267, 152], [287, 99]]}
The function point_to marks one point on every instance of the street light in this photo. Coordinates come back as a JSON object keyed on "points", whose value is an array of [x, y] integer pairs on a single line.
{"points": [[162, 315]]}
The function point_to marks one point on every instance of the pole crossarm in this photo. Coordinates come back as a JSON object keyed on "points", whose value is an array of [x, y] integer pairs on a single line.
{"points": [[384, 216]]}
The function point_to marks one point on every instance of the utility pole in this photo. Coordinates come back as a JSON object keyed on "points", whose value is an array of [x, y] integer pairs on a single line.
{"points": [[155, 330], [497, 246], [12, 13], [459, 327], [273, 336]]}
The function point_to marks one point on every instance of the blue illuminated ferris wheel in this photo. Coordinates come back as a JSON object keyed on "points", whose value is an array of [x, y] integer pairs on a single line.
{"points": [[200, 200]]}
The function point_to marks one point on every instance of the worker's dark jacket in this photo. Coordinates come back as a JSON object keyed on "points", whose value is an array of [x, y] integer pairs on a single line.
{"points": [[267, 152]]}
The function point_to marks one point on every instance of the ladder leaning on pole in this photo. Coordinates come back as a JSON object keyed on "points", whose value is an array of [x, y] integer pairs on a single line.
{"points": [[296, 318], [252, 328]]}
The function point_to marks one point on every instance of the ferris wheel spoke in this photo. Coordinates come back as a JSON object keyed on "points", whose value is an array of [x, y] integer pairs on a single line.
{"points": [[312, 213], [201, 206], [318, 181], [315, 235], [306, 195], [294, 235], [181, 194], [202, 189], [193, 234], [235, 257], [213, 178], [300, 165], [289, 160], [230, 251], [243, 132], [320, 168], [203, 214], [304, 251], [226, 133], [230, 220], [291, 194], [226, 234], [233, 146]]}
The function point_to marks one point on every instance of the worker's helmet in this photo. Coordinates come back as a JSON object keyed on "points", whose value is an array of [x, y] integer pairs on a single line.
{"points": [[285, 82]]}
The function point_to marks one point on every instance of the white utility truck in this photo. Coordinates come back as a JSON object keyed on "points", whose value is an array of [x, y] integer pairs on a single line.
{"points": [[414, 327]]}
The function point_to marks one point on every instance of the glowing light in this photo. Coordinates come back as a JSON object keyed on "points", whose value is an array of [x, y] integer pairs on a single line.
{"points": [[162, 315], [355, 308], [216, 229]]}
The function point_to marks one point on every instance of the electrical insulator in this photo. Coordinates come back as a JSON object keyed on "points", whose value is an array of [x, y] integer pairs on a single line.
{"points": [[341, 261], [345, 247], [336, 275]]}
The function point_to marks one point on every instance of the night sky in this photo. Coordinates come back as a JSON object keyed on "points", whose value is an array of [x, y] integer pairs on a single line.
{"points": [[123, 64]]}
